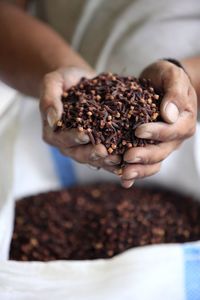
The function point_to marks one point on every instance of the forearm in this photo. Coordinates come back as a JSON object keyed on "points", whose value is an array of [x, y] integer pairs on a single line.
{"points": [[192, 66], [30, 49]]}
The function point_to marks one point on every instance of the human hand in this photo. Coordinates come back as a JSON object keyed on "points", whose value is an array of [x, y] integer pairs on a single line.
{"points": [[179, 112], [71, 142]]}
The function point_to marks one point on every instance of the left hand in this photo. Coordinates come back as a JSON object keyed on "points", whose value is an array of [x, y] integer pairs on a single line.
{"points": [[70, 142], [179, 112]]}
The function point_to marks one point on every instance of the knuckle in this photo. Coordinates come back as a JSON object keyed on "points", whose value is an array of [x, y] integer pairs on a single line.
{"points": [[143, 173], [191, 106], [174, 135], [147, 160], [192, 112], [167, 134], [160, 135], [188, 105]]}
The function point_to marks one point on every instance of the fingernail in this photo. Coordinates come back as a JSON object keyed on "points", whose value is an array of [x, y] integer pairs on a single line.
{"points": [[130, 175], [172, 112], [134, 160], [118, 172], [127, 184], [110, 162], [83, 139], [93, 167], [144, 134], [96, 156], [52, 117]]}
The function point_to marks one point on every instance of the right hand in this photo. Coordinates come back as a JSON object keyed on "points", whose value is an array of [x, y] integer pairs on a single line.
{"points": [[71, 142], [179, 112]]}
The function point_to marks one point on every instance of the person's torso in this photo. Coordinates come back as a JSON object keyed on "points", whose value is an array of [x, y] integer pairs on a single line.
{"points": [[125, 35]]}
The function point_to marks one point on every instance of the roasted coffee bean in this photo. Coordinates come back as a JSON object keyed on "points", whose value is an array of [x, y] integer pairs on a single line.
{"points": [[100, 221], [109, 108]]}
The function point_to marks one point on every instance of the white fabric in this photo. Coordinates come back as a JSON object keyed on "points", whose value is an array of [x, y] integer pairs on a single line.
{"points": [[8, 131], [34, 170], [147, 273]]}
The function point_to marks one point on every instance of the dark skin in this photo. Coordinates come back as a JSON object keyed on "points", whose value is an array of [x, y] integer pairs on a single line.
{"points": [[42, 64]]}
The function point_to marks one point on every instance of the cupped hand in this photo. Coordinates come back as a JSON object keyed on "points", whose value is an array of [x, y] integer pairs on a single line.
{"points": [[71, 142], [179, 114]]}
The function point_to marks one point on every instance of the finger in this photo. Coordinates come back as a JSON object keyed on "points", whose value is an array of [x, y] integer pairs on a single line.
{"points": [[54, 84], [112, 160], [88, 154], [150, 154], [176, 85], [84, 155], [98, 151], [127, 183], [66, 138], [179, 95], [50, 101], [100, 164], [135, 171], [183, 128]]}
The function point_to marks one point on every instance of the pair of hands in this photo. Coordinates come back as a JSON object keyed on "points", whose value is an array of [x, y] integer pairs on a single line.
{"points": [[178, 110]]}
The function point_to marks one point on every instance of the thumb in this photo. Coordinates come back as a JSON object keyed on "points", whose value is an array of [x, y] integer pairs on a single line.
{"points": [[169, 109], [50, 100], [172, 80], [175, 87]]}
